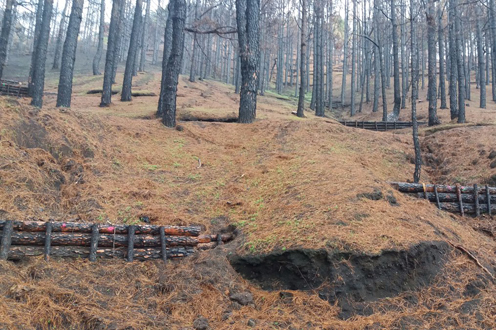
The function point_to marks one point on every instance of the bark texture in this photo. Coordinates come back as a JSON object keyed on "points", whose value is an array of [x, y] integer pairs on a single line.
{"points": [[247, 18], [69, 55]]}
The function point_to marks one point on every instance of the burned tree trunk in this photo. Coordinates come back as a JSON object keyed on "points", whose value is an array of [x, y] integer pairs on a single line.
{"points": [[69, 55], [460, 64], [165, 57], [481, 60], [34, 57], [396, 63], [453, 63], [247, 17], [415, 78], [144, 38], [99, 49], [442, 76], [173, 63], [131, 55], [111, 54], [60, 38], [4, 37], [303, 55], [41, 55], [431, 49]]}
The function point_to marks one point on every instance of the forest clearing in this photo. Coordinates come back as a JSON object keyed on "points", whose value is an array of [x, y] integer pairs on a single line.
{"points": [[139, 206]]}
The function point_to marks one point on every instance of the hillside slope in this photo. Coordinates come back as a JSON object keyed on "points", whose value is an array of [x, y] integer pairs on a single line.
{"points": [[309, 193]]}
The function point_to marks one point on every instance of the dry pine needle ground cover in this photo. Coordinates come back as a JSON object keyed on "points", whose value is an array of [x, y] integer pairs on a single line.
{"points": [[285, 183]]}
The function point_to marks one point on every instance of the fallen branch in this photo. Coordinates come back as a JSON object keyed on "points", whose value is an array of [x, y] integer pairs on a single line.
{"points": [[471, 256]]}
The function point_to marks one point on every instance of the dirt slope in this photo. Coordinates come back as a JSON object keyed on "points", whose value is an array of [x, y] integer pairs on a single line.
{"points": [[285, 183]]}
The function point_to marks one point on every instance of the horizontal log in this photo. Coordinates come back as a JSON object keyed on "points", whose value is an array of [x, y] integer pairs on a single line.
{"points": [[448, 197], [108, 240], [38, 226], [418, 187], [19, 252], [467, 208]]}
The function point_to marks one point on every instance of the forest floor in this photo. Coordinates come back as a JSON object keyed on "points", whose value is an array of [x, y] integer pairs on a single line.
{"points": [[323, 241]]}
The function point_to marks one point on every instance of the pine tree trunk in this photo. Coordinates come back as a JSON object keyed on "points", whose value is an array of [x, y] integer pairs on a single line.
{"points": [[345, 55], [173, 68], [166, 55], [396, 64], [111, 54], [492, 22], [415, 78], [330, 80], [353, 60], [404, 61], [303, 55], [131, 55], [34, 57], [60, 38], [118, 40], [192, 72], [442, 76], [431, 49], [69, 55], [453, 77], [381, 61], [247, 17], [144, 38], [41, 54], [481, 60], [460, 69], [99, 49], [5, 35]]}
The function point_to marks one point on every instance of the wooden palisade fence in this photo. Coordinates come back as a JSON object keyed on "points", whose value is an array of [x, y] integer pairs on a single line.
{"points": [[379, 125], [85, 240], [14, 88], [459, 199]]}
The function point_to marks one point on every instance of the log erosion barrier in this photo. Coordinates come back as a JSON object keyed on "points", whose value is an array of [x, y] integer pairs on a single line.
{"points": [[381, 126], [13, 88], [474, 199], [21, 239]]}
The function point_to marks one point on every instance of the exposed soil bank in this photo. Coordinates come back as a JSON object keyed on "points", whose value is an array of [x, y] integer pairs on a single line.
{"points": [[348, 278]]}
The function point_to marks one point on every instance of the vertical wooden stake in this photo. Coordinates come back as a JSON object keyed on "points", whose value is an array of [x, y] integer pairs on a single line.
{"points": [[163, 244], [476, 200], [6, 239], [219, 240], [130, 243], [488, 195], [48, 241], [437, 197], [460, 201], [94, 242]]}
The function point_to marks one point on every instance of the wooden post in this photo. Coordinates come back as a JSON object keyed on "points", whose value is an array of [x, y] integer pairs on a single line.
{"points": [[130, 243], [437, 197], [476, 200], [460, 201], [219, 240], [488, 195], [6, 239], [376, 127], [94, 242], [48, 241], [163, 244]]}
